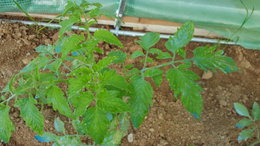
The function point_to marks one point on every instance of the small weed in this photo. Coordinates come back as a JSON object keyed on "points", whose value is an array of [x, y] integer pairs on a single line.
{"points": [[249, 122]]}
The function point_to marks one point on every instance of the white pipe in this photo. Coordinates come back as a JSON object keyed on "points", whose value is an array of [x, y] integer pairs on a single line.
{"points": [[121, 32]]}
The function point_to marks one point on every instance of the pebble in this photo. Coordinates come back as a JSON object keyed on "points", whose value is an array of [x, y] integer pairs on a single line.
{"points": [[222, 102], [161, 116], [47, 41], [26, 61], [23, 28], [163, 143], [151, 130], [31, 37], [130, 137], [26, 42], [207, 75], [18, 35]]}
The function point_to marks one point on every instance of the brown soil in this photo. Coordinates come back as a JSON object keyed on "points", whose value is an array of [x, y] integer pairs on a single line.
{"points": [[167, 124]]}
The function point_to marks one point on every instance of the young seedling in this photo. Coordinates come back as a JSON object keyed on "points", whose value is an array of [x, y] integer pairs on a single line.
{"points": [[98, 101], [251, 122]]}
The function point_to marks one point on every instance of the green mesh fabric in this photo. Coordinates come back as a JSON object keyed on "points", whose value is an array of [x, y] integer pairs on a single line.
{"points": [[224, 17], [9, 5]]}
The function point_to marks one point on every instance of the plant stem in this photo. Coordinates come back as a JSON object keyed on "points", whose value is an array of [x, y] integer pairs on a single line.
{"points": [[145, 62], [10, 98], [166, 64]]}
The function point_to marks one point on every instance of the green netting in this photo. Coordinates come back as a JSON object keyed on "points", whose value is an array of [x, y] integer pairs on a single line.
{"points": [[224, 17]]}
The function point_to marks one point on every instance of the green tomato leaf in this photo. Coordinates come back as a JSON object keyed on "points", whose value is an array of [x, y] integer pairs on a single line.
{"points": [[182, 53], [7, 126], [79, 127], [66, 25], [182, 37], [109, 103], [54, 66], [246, 134], [111, 78], [37, 63], [137, 54], [141, 100], [67, 141], [59, 125], [46, 137], [117, 131], [164, 55], [156, 74], [210, 59], [96, 123], [244, 123], [149, 40], [105, 62], [80, 102], [155, 51], [241, 110], [161, 54], [256, 111], [31, 115], [120, 56], [56, 97], [108, 37], [149, 60], [43, 49], [71, 44], [75, 86], [182, 82]]}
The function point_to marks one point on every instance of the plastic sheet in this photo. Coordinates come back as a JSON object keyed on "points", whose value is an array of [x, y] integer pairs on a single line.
{"points": [[229, 18]]}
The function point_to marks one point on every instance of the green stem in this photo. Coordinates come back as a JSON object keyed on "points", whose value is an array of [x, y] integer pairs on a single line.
{"points": [[166, 64], [145, 62], [10, 98]]}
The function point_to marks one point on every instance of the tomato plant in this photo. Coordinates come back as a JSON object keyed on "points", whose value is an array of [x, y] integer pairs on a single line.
{"points": [[98, 101], [249, 121]]}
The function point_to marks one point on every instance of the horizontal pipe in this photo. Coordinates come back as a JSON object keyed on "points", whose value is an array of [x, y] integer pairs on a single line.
{"points": [[121, 32]]}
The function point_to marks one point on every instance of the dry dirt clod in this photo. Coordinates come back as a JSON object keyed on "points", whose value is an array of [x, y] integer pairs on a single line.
{"points": [[130, 137], [31, 37], [207, 75], [55, 37], [151, 130], [222, 103], [47, 41], [26, 42], [163, 143]]}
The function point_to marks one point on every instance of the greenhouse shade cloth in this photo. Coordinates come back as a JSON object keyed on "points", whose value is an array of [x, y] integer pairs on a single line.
{"points": [[238, 20]]}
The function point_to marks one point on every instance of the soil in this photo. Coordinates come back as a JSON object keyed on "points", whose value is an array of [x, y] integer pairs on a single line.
{"points": [[167, 124]]}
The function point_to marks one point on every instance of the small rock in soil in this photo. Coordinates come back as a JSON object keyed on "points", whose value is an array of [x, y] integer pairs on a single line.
{"points": [[161, 116], [163, 143], [151, 129], [47, 41], [222, 103], [134, 48], [207, 75], [26, 61], [31, 37], [26, 42], [130, 137]]}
